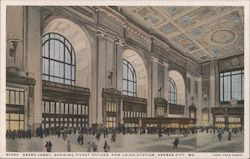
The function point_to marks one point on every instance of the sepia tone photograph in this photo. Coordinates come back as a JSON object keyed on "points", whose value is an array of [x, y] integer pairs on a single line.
{"points": [[125, 79]]}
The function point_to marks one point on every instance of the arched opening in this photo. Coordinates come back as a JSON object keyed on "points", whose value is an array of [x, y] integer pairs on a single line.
{"points": [[58, 59], [177, 82], [140, 73], [129, 79], [172, 91], [81, 45], [66, 56], [135, 88]]}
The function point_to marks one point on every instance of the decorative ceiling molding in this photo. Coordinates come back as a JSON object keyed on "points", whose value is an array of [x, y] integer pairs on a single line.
{"points": [[202, 33]]}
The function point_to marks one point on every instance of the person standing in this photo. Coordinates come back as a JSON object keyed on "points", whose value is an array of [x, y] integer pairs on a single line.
{"points": [[229, 135], [47, 146], [113, 137], [98, 136], [176, 142], [94, 147], [80, 139], [50, 147], [68, 146], [106, 147], [29, 134], [89, 146], [219, 136]]}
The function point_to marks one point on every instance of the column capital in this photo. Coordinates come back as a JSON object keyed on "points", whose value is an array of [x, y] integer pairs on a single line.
{"points": [[154, 59], [101, 33], [198, 79], [166, 65], [118, 41]]}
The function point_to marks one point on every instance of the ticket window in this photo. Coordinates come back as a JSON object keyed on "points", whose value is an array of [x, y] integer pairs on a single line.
{"points": [[15, 101], [54, 108], [110, 122], [220, 121], [14, 121], [234, 122], [220, 125], [111, 107]]}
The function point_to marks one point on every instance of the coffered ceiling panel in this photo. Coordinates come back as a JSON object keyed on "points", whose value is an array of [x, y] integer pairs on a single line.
{"points": [[183, 41], [203, 33], [175, 10], [199, 15]]}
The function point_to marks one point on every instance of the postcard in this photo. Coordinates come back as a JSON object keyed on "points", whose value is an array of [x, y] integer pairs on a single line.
{"points": [[124, 79]]}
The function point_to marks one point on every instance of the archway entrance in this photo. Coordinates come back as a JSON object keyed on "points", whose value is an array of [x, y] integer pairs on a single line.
{"points": [[66, 75]]}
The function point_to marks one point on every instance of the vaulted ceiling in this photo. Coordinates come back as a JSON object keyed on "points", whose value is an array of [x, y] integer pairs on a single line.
{"points": [[203, 33]]}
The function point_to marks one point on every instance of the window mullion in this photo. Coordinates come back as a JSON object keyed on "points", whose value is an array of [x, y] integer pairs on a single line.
{"points": [[127, 76], [223, 77], [71, 80], [231, 93], [64, 76], [49, 59]]}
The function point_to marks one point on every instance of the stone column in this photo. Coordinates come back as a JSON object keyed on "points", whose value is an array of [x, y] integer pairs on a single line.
{"points": [[119, 49], [189, 93], [199, 105], [34, 64], [154, 84], [101, 52], [166, 83], [110, 65], [212, 91]]}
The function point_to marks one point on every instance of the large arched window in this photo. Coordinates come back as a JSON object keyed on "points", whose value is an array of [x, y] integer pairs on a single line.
{"points": [[129, 79], [58, 59], [172, 91]]}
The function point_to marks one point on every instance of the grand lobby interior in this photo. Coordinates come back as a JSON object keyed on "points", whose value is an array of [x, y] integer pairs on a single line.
{"points": [[159, 68]]}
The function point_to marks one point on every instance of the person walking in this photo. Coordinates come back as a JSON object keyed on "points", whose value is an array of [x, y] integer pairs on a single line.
{"points": [[98, 136], [219, 136], [113, 137], [175, 143], [68, 146], [47, 146], [89, 146], [229, 135], [94, 146], [50, 147], [106, 147], [80, 139]]}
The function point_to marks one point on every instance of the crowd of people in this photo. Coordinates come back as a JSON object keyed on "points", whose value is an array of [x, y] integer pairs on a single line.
{"points": [[62, 132], [14, 134]]}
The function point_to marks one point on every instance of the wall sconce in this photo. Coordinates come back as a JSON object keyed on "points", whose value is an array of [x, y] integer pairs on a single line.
{"points": [[111, 74], [13, 46], [160, 91]]}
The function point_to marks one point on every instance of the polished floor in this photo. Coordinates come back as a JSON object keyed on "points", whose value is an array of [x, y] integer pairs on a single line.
{"points": [[200, 142]]}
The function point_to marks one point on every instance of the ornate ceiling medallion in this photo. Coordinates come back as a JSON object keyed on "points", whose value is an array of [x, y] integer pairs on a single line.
{"points": [[223, 37]]}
